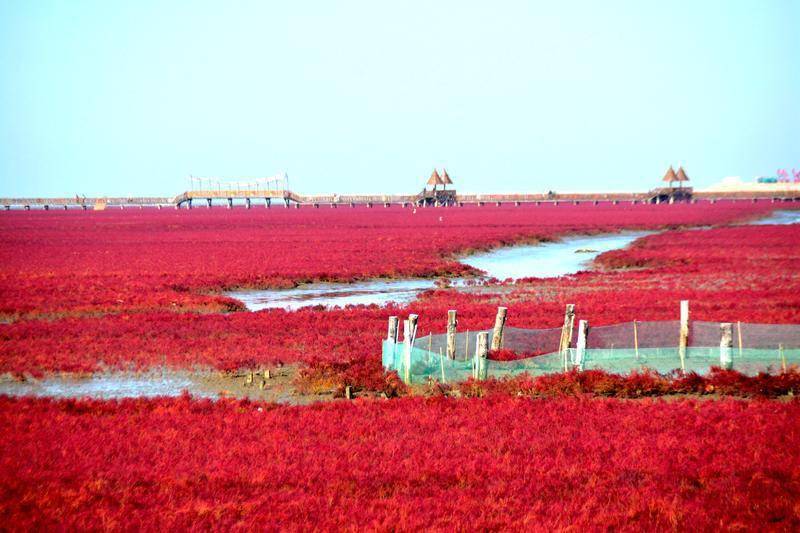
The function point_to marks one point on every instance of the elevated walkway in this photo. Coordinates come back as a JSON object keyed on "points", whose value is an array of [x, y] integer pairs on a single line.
{"points": [[288, 198]]}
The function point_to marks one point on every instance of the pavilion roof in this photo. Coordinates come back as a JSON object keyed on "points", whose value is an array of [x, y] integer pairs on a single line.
{"points": [[681, 176], [670, 175], [435, 179], [446, 178]]}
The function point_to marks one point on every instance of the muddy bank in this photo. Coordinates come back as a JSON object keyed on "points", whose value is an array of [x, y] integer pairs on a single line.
{"points": [[273, 385]]}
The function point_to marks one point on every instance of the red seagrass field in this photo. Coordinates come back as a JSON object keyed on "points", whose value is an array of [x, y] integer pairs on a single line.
{"points": [[137, 290]]}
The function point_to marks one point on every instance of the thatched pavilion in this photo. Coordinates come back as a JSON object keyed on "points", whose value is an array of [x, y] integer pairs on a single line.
{"points": [[441, 196], [671, 193], [671, 176]]}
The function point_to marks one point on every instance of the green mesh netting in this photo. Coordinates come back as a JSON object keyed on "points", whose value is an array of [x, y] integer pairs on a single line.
{"points": [[620, 349]]}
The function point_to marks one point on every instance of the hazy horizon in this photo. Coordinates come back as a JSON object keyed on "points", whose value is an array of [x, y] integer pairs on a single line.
{"points": [[130, 98]]}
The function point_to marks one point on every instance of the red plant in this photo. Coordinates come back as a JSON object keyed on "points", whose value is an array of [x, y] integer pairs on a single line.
{"points": [[407, 464], [510, 355], [324, 375], [638, 384]]}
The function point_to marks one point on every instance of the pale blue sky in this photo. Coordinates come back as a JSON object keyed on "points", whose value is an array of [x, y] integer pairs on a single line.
{"points": [[113, 97]]}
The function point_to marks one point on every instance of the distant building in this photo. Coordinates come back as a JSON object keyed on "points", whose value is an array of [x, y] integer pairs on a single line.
{"points": [[671, 193], [671, 176], [437, 196]]}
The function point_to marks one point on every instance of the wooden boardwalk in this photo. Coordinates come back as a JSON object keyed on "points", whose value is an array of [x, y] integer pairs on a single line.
{"points": [[287, 198]]}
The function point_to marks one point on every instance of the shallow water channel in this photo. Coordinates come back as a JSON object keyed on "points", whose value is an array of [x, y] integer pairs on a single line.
{"points": [[111, 385], [778, 218], [100, 386], [377, 291], [551, 259]]}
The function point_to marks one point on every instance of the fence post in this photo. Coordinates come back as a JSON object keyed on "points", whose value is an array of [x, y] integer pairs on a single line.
{"points": [[392, 334], [406, 351], [725, 345], [635, 340], [499, 324], [409, 335], [412, 323], [566, 334], [684, 333], [466, 346], [481, 354], [452, 322], [580, 346]]}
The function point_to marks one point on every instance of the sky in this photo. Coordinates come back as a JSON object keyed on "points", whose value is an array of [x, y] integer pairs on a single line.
{"points": [[130, 98]]}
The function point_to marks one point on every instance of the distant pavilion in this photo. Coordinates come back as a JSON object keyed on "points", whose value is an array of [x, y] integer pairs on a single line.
{"points": [[670, 177], [436, 196], [670, 193]]}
